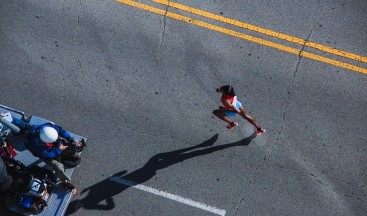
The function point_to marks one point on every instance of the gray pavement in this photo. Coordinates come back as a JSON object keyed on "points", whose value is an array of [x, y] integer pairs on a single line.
{"points": [[141, 88]]}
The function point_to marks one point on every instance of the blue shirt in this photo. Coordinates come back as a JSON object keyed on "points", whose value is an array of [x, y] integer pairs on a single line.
{"points": [[39, 148]]}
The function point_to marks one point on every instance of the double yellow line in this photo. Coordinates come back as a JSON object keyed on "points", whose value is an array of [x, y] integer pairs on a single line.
{"points": [[247, 26]]}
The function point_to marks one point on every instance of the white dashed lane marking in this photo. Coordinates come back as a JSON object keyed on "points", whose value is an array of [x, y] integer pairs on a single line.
{"points": [[170, 196]]}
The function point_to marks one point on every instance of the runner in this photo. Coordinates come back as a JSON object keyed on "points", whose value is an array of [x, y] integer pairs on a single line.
{"points": [[231, 107]]}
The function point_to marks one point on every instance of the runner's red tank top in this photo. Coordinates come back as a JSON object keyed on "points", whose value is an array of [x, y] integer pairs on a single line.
{"points": [[227, 97]]}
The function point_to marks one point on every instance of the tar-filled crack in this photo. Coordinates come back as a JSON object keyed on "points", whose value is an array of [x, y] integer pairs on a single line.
{"points": [[134, 129], [289, 95], [163, 32], [74, 35], [354, 197], [130, 126], [242, 198]]}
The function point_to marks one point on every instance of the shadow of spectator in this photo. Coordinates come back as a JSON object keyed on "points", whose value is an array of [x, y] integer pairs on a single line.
{"points": [[100, 195]]}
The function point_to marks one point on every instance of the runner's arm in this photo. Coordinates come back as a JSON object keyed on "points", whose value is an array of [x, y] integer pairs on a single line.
{"points": [[233, 108]]}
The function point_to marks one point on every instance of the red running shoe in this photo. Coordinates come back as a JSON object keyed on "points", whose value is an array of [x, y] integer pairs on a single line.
{"points": [[232, 125], [260, 131]]}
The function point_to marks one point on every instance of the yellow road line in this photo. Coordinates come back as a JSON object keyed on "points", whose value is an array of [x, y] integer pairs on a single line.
{"points": [[244, 36], [263, 31]]}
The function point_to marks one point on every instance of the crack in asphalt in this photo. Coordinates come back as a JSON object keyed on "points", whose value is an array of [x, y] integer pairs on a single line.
{"points": [[131, 126], [285, 112], [135, 129], [300, 57], [163, 33], [73, 38], [332, 8]]}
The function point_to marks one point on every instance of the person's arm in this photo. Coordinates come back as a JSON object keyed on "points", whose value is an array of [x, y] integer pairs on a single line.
{"points": [[62, 132], [233, 107], [66, 135], [51, 153]]}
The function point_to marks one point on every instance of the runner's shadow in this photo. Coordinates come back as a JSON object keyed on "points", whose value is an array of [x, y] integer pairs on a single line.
{"points": [[100, 195]]}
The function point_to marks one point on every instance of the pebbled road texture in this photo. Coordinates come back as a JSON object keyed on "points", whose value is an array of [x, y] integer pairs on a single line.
{"points": [[141, 88]]}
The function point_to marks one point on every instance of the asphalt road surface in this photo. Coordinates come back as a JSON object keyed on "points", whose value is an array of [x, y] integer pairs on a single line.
{"points": [[138, 79]]}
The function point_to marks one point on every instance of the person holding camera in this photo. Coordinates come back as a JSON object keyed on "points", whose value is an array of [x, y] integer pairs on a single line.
{"points": [[43, 141]]}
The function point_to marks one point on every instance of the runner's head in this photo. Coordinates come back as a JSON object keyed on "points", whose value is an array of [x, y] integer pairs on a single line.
{"points": [[227, 90], [48, 134]]}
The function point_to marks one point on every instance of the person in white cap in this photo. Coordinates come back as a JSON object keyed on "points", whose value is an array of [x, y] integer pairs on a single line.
{"points": [[42, 142]]}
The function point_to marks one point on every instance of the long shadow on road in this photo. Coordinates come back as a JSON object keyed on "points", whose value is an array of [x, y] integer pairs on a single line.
{"points": [[100, 195]]}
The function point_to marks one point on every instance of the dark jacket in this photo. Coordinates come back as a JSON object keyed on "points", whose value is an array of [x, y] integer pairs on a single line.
{"points": [[39, 148], [5, 179]]}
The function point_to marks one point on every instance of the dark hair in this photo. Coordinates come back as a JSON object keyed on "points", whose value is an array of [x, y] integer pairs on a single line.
{"points": [[228, 90]]}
